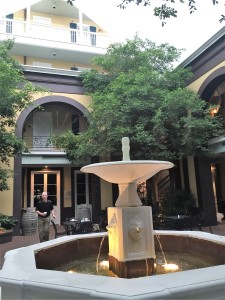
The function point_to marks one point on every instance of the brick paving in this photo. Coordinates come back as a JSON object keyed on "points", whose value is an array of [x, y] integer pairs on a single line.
{"points": [[23, 241]]}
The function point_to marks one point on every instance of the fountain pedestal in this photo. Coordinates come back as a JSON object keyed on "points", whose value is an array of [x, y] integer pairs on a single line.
{"points": [[131, 242]]}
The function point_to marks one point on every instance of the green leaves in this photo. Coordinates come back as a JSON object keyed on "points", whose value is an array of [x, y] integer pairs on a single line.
{"points": [[165, 11], [137, 93]]}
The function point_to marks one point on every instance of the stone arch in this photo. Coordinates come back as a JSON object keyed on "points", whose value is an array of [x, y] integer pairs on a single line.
{"points": [[45, 100], [211, 83], [17, 182]]}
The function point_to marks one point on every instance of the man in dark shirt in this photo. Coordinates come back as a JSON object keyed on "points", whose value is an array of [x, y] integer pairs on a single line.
{"points": [[44, 208]]}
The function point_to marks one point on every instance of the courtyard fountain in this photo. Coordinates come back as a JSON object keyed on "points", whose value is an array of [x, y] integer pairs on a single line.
{"points": [[34, 272], [130, 226]]}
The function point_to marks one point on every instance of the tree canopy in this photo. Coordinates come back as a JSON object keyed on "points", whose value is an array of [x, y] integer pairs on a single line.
{"points": [[15, 94], [164, 10], [136, 92]]}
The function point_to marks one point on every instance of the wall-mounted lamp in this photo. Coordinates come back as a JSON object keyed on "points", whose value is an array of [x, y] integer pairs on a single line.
{"points": [[54, 4], [215, 101], [214, 110]]}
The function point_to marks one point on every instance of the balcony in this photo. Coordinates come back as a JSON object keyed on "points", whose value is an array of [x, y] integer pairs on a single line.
{"points": [[40, 144], [217, 145], [29, 36]]}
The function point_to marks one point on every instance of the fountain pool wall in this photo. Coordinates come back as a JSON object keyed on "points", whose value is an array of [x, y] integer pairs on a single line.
{"points": [[22, 278]]}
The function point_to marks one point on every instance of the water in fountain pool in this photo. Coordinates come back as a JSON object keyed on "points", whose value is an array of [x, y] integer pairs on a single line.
{"points": [[183, 261]]}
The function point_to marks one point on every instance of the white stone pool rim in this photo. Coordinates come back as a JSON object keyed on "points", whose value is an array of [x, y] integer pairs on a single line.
{"points": [[20, 279]]}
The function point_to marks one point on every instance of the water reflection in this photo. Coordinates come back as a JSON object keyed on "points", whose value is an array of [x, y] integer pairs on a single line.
{"points": [[175, 263]]}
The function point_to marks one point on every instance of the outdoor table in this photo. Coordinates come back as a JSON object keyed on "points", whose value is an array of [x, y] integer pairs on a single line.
{"points": [[70, 226], [181, 221], [77, 226]]}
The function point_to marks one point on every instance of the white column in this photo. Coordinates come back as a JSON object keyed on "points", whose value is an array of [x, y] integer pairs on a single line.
{"points": [[28, 19], [80, 20]]}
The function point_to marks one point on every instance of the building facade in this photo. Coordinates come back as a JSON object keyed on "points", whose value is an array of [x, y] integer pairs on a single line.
{"points": [[54, 42], [206, 175]]}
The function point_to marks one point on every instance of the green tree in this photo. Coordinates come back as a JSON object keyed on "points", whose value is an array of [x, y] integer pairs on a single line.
{"points": [[138, 93], [165, 11], [15, 94]]}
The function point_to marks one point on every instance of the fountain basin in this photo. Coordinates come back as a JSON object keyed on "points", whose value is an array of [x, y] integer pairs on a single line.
{"points": [[22, 277], [127, 171]]}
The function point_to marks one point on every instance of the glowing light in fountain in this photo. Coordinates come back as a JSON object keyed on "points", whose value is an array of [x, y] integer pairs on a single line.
{"points": [[71, 272], [104, 264], [171, 267]]}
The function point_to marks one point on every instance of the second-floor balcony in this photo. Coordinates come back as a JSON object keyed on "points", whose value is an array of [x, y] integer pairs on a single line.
{"points": [[43, 35], [40, 144]]}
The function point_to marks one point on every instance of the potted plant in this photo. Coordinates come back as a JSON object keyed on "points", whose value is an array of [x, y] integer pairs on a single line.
{"points": [[6, 225]]}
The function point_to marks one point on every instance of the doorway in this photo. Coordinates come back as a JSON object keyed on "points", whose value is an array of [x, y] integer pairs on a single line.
{"points": [[48, 181], [82, 190]]}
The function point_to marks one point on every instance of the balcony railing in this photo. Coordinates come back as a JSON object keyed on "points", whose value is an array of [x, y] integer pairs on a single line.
{"points": [[40, 143], [53, 33]]}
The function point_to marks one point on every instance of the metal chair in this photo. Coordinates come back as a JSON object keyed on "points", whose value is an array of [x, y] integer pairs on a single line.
{"points": [[83, 212], [84, 227], [198, 218]]}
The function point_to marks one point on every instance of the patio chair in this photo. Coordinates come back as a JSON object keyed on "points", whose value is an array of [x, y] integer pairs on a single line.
{"points": [[83, 212], [198, 218], [161, 222]]}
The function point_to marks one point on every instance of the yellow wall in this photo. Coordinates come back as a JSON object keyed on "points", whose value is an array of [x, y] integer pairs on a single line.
{"points": [[197, 84], [83, 99], [6, 197], [57, 20], [20, 59], [19, 15], [56, 63]]}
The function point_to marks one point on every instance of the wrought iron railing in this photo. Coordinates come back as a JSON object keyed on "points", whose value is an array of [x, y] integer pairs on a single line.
{"points": [[38, 143]]}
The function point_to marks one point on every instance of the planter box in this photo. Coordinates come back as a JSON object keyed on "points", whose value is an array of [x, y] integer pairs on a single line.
{"points": [[6, 236]]}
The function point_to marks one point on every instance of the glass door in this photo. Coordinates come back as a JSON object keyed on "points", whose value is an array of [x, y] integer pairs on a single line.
{"points": [[48, 181], [82, 191]]}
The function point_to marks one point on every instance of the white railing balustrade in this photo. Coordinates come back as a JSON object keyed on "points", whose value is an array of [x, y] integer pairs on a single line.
{"points": [[53, 33], [42, 142], [39, 143]]}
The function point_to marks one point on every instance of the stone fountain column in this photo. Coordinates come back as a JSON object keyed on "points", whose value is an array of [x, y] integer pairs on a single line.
{"points": [[130, 229], [131, 241]]}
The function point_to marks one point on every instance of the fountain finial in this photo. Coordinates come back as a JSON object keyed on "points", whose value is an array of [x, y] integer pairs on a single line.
{"points": [[126, 148]]}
